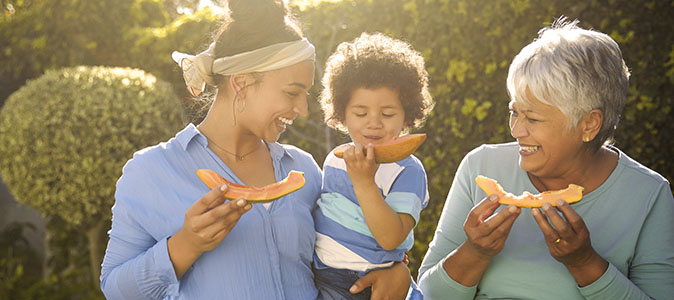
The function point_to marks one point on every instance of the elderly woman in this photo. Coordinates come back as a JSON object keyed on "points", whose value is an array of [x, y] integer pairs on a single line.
{"points": [[567, 90]]}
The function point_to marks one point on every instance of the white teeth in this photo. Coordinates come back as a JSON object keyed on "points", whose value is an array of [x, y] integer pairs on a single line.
{"points": [[286, 121], [530, 149]]}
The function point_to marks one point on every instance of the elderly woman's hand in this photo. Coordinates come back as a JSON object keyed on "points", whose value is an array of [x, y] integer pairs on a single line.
{"points": [[487, 232], [569, 241]]}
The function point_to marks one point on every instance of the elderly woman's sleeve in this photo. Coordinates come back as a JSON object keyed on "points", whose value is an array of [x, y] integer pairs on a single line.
{"points": [[433, 280], [651, 273], [135, 266]]}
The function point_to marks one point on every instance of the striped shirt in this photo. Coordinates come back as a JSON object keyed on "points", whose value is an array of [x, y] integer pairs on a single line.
{"points": [[343, 240]]}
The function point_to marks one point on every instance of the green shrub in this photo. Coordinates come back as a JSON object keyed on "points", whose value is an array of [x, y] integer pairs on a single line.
{"points": [[65, 136]]}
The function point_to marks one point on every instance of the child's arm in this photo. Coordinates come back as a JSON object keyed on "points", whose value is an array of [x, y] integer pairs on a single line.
{"points": [[388, 227]]}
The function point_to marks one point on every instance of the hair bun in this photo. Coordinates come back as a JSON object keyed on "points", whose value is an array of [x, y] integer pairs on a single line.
{"points": [[271, 11], [253, 24]]}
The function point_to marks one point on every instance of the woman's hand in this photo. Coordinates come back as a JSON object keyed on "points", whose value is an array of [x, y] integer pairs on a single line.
{"points": [[360, 163], [389, 283], [487, 232], [207, 223], [569, 242]]}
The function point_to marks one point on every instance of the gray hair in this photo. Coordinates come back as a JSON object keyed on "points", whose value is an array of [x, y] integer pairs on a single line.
{"points": [[575, 70]]}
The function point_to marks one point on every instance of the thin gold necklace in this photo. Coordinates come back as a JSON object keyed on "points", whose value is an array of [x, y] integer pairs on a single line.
{"points": [[237, 156]]}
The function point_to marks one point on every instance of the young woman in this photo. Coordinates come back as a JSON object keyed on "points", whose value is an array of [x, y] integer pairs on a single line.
{"points": [[171, 237]]}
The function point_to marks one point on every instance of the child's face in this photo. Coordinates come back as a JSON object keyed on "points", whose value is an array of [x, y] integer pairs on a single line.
{"points": [[374, 115]]}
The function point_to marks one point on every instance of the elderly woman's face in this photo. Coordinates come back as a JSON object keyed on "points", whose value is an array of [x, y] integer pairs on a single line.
{"points": [[547, 147]]}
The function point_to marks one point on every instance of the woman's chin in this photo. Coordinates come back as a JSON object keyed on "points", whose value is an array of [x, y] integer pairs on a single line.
{"points": [[272, 137], [527, 165]]}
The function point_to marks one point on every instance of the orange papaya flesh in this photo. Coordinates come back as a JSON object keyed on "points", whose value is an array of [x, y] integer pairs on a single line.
{"points": [[573, 193], [294, 181], [391, 151]]}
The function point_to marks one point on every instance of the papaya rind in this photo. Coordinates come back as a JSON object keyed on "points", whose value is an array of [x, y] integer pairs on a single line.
{"points": [[392, 151], [572, 194], [293, 182]]}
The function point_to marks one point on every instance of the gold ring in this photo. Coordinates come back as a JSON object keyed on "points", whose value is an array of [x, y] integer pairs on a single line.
{"points": [[557, 241]]}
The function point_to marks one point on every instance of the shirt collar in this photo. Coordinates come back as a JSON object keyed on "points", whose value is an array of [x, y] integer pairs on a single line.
{"points": [[186, 135], [277, 151], [191, 132]]}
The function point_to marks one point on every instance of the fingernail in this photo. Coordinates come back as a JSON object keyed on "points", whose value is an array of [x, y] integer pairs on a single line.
{"points": [[560, 202], [241, 202], [546, 206], [535, 212], [352, 289], [223, 188], [493, 198], [512, 208]]}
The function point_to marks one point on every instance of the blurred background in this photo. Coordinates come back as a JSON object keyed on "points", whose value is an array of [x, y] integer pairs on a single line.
{"points": [[56, 193]]}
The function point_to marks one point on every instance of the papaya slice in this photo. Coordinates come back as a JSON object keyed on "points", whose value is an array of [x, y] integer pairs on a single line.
{"points": [[573, 193], [391, 151], [294, 181]]}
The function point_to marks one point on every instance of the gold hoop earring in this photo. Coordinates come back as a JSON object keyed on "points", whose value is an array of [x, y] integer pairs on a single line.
{"points": [[240, 108], [234, 110]]}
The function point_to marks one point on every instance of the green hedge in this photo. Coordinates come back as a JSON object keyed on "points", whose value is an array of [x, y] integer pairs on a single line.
{"points": [[65, 136]]}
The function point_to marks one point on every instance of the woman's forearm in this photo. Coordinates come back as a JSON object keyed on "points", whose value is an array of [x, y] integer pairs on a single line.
{"points": [[129, 272], [588, 271], [465, 265], [181, 254]]}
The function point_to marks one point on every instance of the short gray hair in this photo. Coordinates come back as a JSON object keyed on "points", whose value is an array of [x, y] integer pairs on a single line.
{"points": [[575, 70]]}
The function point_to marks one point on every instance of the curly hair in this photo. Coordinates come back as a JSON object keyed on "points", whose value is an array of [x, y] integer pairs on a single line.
{"points": [[372, 61]]}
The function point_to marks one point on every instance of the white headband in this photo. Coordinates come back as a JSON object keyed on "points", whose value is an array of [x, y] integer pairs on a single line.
{"points": [[199, 69]]}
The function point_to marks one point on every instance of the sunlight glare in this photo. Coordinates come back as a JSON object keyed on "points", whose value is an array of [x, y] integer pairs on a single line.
{"points": [[302, 4]]}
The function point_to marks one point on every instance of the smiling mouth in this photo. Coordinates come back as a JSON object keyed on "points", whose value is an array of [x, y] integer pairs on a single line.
{"points": [[286, 121], [529, 149]]}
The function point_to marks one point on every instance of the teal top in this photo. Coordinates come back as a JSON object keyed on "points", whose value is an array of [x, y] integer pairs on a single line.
{"points": [[630, 218]]}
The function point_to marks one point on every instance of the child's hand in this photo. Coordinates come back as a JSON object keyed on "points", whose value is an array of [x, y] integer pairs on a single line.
{"points": [[360, 166]]}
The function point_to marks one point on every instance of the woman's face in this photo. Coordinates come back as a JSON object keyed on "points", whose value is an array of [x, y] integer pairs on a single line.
{"points": [[374, 115], [277, 100], [547, 147]]}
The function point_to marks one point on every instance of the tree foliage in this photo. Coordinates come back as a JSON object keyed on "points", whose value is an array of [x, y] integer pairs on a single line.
{"points": [[43, 35], [65, 136]]}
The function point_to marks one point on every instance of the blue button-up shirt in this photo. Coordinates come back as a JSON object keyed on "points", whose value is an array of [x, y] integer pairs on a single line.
{"points": [[267, 255]]}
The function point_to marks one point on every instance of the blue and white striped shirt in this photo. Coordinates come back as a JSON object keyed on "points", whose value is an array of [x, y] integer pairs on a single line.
{"points": [[267, 255], [343, 239]]}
